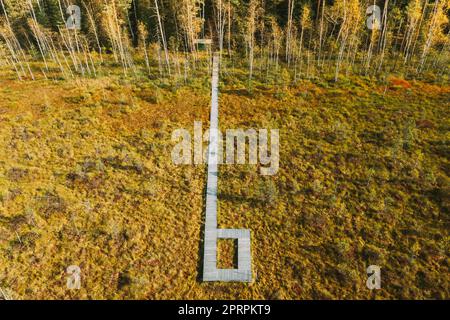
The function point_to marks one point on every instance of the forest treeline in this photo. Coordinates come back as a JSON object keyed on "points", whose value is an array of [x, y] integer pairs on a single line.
{"points": [[302, 37]]}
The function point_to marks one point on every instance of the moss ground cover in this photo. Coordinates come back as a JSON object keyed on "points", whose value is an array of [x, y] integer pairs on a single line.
{"points": [[86, 178]]}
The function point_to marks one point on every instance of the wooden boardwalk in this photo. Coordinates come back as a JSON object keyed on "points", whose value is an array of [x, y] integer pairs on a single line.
{"points": [[210, 272]]}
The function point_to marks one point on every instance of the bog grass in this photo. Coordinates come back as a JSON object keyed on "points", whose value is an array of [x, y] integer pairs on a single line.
{"points": [[86, 179]]}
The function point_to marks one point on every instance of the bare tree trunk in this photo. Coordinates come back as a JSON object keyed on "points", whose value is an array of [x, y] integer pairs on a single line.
{"points": [[429, 41], [220, 24], [383, 39], [413, 50], [163, 37], [94, 28], [289, 30], [321, 29], [251, 21], [17, 45], [229, 28]]}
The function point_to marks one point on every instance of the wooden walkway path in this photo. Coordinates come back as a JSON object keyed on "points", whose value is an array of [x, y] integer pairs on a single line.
{"points": [[210, 272]]}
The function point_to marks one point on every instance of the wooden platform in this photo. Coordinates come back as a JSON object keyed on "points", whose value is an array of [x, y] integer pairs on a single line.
{"points": [[210, 272]]}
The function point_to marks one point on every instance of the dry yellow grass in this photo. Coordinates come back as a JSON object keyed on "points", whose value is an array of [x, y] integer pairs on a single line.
{"points": [[86, 179]]}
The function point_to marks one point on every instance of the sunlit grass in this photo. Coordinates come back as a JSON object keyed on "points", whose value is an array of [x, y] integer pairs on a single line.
{"points": [[86, 178]]}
